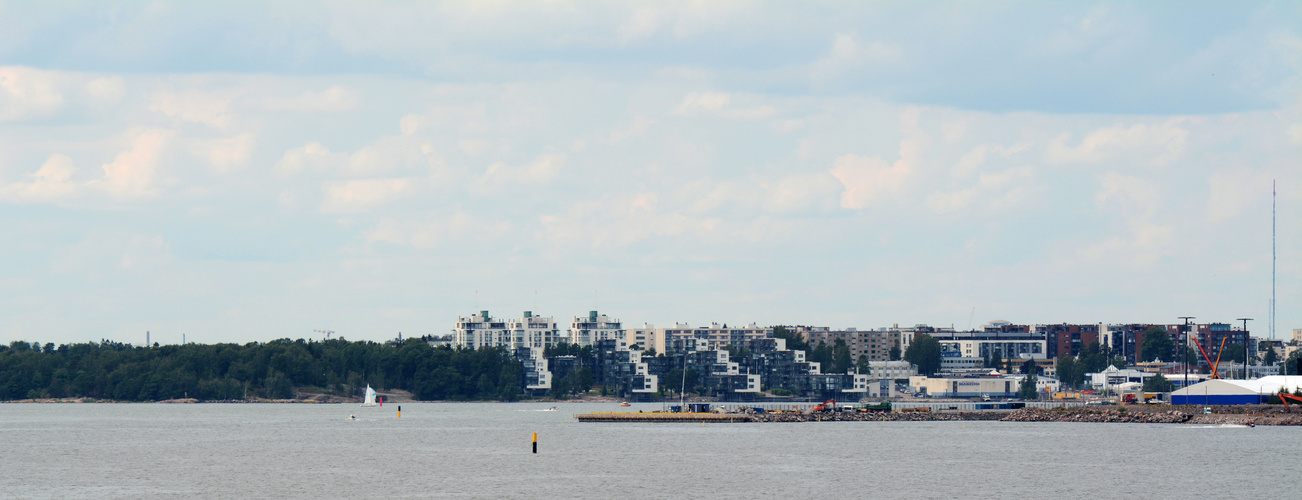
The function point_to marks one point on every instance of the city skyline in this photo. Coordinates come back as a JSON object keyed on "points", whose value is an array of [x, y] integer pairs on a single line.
{"points": [[248, 174]]}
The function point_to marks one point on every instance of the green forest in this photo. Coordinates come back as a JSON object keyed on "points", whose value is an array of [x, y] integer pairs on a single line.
{"points": [[271, 370]]}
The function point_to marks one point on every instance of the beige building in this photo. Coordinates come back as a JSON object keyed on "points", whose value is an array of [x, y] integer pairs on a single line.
{"points": [[716, 336], [875, 344]]}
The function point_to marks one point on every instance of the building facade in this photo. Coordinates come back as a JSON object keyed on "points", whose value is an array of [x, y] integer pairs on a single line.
{"points": [[593, 328], [875, 345], [482, 330]]}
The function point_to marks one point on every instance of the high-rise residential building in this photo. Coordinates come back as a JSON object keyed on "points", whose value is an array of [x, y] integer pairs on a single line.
{"points": [[716, 336], [593, 328], [533, 331], [999, 339], [875, 345], [1068, 340], [482, 330]]}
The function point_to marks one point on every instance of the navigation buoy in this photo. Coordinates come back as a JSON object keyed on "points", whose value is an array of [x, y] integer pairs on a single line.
{"points": [[399, 411], [535, 443]]}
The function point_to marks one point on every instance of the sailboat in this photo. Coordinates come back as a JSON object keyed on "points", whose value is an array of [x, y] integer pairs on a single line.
{"points": [[370, 397]]}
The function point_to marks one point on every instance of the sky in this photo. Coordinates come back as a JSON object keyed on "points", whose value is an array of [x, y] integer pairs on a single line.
{"points": [[248, 171]]}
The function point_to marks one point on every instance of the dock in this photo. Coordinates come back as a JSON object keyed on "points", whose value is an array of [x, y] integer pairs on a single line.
{"points": [[726, 418]]}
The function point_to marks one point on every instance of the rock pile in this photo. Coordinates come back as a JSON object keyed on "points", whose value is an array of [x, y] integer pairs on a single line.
{"points": [[872, 417], [1150, 417]]}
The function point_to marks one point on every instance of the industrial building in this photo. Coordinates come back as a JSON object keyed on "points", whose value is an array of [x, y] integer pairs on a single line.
{"points": [[1235, 392], [970, 387]]}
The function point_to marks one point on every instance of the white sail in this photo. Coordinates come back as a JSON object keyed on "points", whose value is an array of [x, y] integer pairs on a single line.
{"points": [[370, 396]]}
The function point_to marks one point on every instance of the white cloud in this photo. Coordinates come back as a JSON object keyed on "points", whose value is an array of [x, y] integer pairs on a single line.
{"points": [[196, 106], [27, 93], [643, 23], [311, 156], [848, 57], [384, 156], [716, 103], [976, 157], [1154, 145], [136, 173], [363, 194], [106, 90], [800, 194], [1231, 190], [463, 229], [639, 126], [696, 102], [540, 171], [52, 182], [228, 154], [868, 179], [335, 98], [995, 191]]}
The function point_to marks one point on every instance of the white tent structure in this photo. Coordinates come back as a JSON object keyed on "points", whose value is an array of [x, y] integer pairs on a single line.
{"points": [[1235, 392]]}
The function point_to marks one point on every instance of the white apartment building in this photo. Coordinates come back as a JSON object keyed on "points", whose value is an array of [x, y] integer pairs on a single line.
{"points": [[644, 337], [480, 330], [713, 337], [533, 331], [587, 330], [483, 330], [891, 370]]}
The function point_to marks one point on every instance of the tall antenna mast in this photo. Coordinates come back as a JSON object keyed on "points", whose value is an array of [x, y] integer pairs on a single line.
{"points": [[1272, 259]]}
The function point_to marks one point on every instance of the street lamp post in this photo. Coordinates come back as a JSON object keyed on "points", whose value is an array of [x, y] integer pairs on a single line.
{"points": [[1184, 348], [1245, 346]]}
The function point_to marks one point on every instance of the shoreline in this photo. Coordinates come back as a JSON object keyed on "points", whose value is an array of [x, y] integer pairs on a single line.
{"points": [[1247, 415]]}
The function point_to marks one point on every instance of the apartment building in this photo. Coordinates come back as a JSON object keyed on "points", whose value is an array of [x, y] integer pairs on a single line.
{"points": [[873, 344]]}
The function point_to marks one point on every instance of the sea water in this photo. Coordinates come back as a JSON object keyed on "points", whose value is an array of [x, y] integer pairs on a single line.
{"points": [[485, 450]]}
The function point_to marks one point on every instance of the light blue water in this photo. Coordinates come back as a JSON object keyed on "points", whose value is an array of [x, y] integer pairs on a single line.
{"points": [[483, 450]]}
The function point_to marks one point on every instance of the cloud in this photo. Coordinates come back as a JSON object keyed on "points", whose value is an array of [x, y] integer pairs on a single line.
{"points": [[639, 126], [995, 191], [228, 154], [1231, 190], [52, 182], [311, 156], [974, 158], [360, 195], [196, 106], [802, 194], [540, 171], [848, 58], [459, 227], [27, 93], [716, 103], [135, 173], [384, 156], [335, 98], [106, 90], [1154, 145], [868, 179]]}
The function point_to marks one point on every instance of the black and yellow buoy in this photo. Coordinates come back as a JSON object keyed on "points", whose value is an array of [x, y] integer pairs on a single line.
{"points": [[399, 411], [535, 443]]}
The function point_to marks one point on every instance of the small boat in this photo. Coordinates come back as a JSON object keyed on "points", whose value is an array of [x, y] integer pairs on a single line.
{"points": [[370, 397], [625, 404]]}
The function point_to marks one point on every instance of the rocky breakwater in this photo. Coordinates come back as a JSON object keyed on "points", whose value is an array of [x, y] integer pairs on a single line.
{"points": [[1158, 415], [878, 417]]}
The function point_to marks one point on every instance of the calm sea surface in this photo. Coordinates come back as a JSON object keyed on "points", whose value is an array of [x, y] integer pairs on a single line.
{"points": [[483, 450]]}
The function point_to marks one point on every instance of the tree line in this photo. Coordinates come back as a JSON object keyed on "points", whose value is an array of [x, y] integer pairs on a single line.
{"points": [[275, 370]]}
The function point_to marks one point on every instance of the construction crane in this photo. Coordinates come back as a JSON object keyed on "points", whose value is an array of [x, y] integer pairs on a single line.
{"points": [[1284, 396], [327, 333]]}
